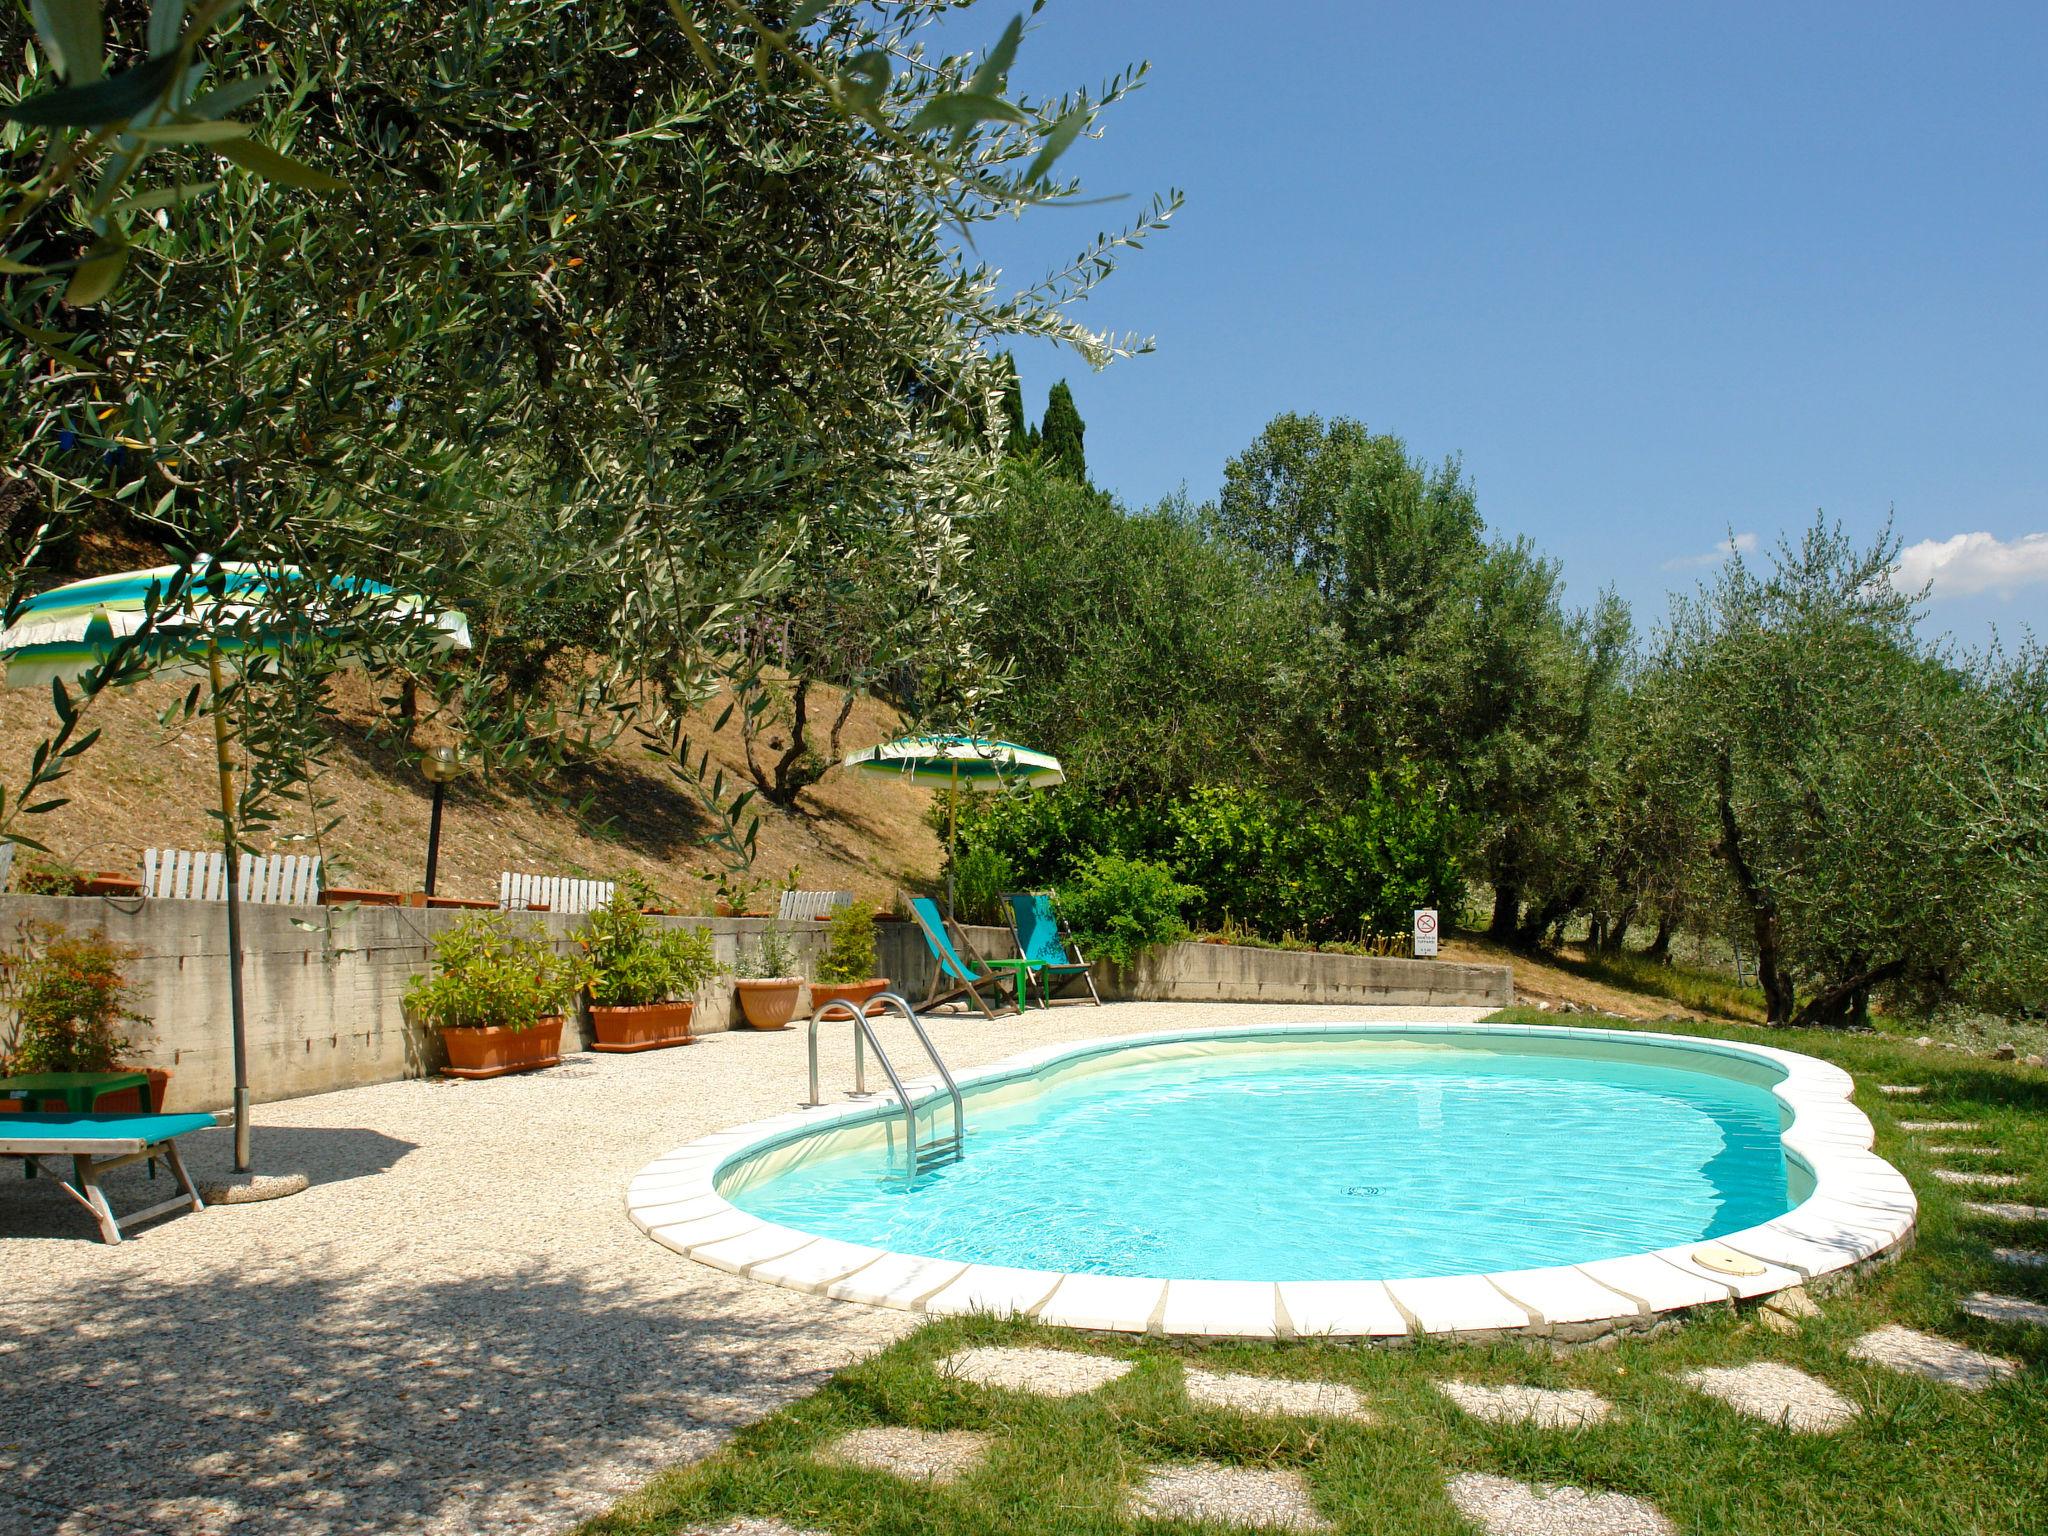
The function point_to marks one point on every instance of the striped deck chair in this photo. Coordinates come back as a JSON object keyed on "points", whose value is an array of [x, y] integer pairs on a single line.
{"points": [[952, 977]]}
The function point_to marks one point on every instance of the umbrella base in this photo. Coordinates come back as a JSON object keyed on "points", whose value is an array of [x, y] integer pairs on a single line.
{"points": [[246, 1188]]}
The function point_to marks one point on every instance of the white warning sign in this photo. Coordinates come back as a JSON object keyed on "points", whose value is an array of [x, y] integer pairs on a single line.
{"points": [[1425, 933]]}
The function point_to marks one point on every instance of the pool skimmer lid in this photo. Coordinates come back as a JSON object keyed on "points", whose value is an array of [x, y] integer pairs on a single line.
{"points": [[1725, 1261]]}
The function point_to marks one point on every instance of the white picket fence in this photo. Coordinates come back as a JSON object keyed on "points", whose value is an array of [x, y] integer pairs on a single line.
{"points": [[558, 893], [6, 864], [280, 879], [808, 904]]}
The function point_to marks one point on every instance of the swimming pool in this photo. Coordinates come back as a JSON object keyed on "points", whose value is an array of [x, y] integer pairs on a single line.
{"points": [[1367, 1179]]}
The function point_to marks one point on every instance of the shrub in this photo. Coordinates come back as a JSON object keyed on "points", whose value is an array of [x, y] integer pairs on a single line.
{"points": [[487, 973], [771, 959], [41, 874], [1117, 906], [850, 945], [634, 960], [980, 877], [71, 1004]]}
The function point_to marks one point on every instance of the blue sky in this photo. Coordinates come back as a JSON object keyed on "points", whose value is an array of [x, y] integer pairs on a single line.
{"points": [[1652, 274]]}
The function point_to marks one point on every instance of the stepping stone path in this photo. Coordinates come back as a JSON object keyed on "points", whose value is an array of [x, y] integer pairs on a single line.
{"points": [[1902, 1090], [1544, 1407], [1936, 1358], [1273, 1396], [746, 1525], [2021, 1258], [2006, 1210], [1962, 1151], [1208, 1490], [1960, 1176], [1937, 1125], [2007, 1309], [1500, 1506], [921, 1455], [1046, 1372], [1777, 1394]]}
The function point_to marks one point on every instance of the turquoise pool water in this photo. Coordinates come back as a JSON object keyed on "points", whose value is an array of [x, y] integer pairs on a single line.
{"points": [[1347, 1162]]}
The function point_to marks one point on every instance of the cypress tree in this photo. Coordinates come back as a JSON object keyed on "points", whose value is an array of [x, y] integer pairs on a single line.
{"points": [[1060, 437], [1021, 439]]}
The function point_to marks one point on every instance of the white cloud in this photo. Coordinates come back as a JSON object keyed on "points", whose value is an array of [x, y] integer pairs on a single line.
{"points": [[1735, 544], [1973, 562]]}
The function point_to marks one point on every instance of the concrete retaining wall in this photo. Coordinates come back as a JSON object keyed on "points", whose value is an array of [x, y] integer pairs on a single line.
{"points": [[325, 986]]}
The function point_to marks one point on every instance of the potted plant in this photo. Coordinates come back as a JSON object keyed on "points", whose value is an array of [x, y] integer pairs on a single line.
{"points": [[767, 988], [640, 977], [731, 891], [847, 973], [72, 1003], [496, 995]]}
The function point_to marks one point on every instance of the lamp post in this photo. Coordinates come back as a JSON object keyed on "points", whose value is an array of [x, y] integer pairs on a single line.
{"points": [[440, 766]]}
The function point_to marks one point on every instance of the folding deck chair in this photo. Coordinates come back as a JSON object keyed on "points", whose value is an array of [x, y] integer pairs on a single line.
{"points": [[952, 977], [98, 1144], [1056, 960]]}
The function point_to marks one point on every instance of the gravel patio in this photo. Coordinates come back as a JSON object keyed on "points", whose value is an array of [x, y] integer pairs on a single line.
{"points": [[455, 1329]]}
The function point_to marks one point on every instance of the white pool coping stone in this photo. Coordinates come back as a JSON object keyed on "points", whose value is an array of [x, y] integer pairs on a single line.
{"points": [[1861, 1209]]}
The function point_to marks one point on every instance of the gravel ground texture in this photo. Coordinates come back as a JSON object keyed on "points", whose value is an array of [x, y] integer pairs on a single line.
{"points": [[1545, 1407], [1275, 1397], [1930, 1355], [1044, 1372], [1500, 1506], [1262, 1498], [918, 1455], [1777, 1394], [455, 1329]]}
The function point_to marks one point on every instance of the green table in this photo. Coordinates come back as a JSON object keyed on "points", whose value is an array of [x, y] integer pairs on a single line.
{"points": [[1023, 970], [80, 1091]]}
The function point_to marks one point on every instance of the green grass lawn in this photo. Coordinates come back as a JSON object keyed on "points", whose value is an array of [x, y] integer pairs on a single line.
{"points": [[1922, 1458]]}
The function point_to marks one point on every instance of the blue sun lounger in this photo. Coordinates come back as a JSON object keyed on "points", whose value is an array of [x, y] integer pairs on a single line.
{"points": [[953, 977], [98, 1144]]}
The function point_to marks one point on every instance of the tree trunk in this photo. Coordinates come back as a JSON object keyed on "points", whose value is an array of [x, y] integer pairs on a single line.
{"points": [[1778, 998], [1847, 1001], [1507, 912], [1660, 946], [1615, 939]]}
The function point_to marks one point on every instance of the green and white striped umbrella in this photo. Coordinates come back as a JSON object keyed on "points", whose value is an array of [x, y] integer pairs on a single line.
{"points": [[972, 763], [69, 630]]}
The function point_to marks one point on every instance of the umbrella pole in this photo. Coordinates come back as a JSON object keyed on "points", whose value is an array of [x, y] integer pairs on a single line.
{"points": [[234, 879]]}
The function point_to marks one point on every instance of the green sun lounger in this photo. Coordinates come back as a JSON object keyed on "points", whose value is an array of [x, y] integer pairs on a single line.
{"points": [[98, 1144], [1056, 960], [953, 977]]}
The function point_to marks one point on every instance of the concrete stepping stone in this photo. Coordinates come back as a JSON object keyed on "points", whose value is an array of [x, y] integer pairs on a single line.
{"points": [[1902, 1090], [1264, 1498], [919, 1455], [1777, 1394], [2007, 1210], [1273, 1396], [1982, 1180], [1500, 1506], [1962, 1151], [2007, 1309], [747, 1525], [1545, 1407], [2021, 1258], [1930, 1355], [1044, 1372], [1937, 1125]]}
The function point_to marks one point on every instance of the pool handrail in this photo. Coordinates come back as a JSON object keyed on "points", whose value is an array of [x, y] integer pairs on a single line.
{"points": [[939, 1150]]}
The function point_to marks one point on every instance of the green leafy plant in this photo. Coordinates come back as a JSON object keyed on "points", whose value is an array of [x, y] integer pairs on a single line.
{"points": [[638, 891], [771, 958], [72, 1002], [1118, 906], [634, 960], [488, 974], [980, 876], [850, 946]]}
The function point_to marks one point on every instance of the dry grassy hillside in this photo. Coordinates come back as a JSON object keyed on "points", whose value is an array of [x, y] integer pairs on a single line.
{"points": [[143, 786]]}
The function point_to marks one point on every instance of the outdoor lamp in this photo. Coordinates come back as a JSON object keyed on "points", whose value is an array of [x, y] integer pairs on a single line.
{"points": [[440, 766]]}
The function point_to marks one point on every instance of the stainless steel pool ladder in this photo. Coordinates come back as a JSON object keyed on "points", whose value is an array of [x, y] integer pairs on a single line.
{"points": [[941, 1149]]}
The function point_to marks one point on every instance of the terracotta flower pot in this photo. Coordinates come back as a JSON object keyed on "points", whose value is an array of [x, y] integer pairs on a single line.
{"points": [[646, 1027], [769, 1003], [129, 1100], [495, 1051], [855, 992]]}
